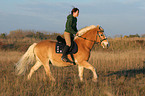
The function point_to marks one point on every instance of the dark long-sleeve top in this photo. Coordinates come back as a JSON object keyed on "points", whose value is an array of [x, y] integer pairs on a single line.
{"points": [[71, 24]]}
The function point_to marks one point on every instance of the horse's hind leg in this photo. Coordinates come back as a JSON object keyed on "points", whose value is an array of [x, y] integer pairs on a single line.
{"points": [[48, 72], [34, 68], [45, 62], [86, 65]]}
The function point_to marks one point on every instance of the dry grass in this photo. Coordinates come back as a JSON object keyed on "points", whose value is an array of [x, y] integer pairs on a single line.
{"points": [[121, 73]]}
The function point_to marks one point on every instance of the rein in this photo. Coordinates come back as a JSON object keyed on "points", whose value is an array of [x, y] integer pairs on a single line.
{"points": [[94, 40], [89, 40]]}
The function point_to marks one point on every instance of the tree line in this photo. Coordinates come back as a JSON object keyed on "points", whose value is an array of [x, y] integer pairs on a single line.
{"points": [[42, 35], [20, 34]]}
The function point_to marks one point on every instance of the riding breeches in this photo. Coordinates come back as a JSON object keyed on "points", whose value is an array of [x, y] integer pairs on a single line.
{"points": [[67, 37]]}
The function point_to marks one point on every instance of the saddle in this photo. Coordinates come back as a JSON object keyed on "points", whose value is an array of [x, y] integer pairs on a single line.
{"points": [[60, 44]]}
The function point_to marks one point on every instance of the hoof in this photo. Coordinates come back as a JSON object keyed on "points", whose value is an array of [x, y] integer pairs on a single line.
{"points": [[28, 78], [81, 80], [94, 79], [52, 79]]}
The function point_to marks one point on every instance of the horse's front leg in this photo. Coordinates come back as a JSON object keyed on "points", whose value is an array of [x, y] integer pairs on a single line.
{"points": [[86, 65], [81, 69]]}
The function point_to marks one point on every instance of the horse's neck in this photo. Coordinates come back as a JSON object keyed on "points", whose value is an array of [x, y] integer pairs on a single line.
{"points": [[89, 41]]}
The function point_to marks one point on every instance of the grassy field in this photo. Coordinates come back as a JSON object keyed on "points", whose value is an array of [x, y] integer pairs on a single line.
{"points": [[121, 72]]}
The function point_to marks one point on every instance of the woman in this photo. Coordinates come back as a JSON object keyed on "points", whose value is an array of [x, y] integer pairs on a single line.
{"points": [[70, 31]]}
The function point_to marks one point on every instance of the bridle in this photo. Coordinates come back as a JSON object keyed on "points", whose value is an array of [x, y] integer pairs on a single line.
{"points": [[101, 40], [100, 36]]}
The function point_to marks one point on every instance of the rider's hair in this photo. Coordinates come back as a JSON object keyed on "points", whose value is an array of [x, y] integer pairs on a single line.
{"points": [[74, 10]]}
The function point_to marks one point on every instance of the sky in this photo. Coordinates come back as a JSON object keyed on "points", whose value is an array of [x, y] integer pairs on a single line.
{"points": [[117, 17]]}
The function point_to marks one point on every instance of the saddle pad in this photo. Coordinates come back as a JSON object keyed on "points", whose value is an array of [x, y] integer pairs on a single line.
{"points": [[60, 46]]}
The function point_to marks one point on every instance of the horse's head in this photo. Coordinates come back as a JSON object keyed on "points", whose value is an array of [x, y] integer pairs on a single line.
{"points": [[101, 37], [87, 34]]}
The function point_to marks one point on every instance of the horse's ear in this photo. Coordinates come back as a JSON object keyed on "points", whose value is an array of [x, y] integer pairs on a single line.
{"points": [[98, 26]]}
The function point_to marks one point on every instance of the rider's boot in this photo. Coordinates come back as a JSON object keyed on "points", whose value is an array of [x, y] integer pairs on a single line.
{"points": [[65, 52]]}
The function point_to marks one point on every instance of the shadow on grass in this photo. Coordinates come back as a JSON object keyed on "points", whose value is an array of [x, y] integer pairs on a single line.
{"points": [[70, 84], [128, 73]]}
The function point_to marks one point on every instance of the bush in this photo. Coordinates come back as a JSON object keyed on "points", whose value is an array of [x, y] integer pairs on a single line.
{"points": [[3, 35], [134, 35]]}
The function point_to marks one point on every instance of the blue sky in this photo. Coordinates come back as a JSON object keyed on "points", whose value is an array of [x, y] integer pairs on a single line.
{"points": [[117, 17]]}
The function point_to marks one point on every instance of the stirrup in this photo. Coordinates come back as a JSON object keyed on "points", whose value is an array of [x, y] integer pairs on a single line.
{"points": [[65, 59]]}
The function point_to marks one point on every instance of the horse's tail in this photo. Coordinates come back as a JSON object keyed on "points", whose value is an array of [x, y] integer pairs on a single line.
{"points": [[25, 60]]}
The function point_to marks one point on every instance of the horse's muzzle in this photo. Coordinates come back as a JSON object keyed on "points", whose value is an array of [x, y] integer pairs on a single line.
{"points": [[105, 44]]}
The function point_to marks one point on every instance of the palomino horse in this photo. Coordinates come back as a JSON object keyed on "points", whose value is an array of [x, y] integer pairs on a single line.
{"points": [[43, 52]]}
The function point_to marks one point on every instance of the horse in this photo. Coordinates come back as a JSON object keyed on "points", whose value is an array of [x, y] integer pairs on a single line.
{"points": [[43, 53]]}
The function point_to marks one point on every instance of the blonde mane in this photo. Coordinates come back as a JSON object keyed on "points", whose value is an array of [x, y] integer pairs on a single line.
{"points": [[84, 30]]}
